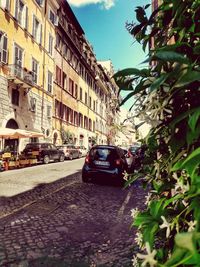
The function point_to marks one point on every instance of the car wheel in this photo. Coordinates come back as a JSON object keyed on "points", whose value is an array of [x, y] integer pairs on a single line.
{"points": [[46, 159], [85, 179], [62, 158]]}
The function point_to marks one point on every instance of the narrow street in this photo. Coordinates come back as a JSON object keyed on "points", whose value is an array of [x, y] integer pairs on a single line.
{"points": [[60, 221]]}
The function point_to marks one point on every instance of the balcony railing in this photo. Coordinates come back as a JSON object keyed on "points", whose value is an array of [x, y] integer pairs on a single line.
{"points": [[20, 75]]}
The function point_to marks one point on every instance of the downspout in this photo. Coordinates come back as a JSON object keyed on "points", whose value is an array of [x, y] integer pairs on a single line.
{"points": [[43, 67]]}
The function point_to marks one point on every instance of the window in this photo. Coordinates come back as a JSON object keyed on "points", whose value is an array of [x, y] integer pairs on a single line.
{"points": [[32, 104], [5, 4], [80, 120], [81, 94], [3, 48], [70, 115], [94, 126], [50, 45], [86, 96], [57, 108], [18, 61], [58, 76], [39, 2], [15, 97], [37, 30], [21, 13], [58, 41], [64, 85], [53, 18], [71, 86], [35, 66], [76, 90], [90, 124], [75, 118], [48, 111], [65, 50], [50, 81], [94, 105], [90, 102], [85, 122]]}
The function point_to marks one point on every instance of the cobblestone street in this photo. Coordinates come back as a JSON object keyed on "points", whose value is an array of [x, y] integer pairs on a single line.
{"points": [[68, 223]]}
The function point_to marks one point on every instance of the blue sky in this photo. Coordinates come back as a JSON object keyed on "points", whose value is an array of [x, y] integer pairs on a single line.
{"points": [[104, 28]]}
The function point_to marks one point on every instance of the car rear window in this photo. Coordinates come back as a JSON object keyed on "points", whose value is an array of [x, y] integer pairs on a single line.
{"points": [[28, 146], [103, 154]]}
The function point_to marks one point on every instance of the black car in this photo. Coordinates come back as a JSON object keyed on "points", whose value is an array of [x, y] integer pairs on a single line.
{"points": [[44, 152], [104, 162]]}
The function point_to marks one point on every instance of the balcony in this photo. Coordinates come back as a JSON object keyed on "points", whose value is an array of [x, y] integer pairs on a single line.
{"points": [[20, 76]]}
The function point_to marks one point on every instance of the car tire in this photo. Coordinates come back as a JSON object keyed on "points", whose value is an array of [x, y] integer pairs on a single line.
{"points": [[46, 159], [85, 179], [61, 158]]}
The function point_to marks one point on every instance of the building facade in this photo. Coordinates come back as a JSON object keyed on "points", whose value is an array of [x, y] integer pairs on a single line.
{"points": [[26, 65], [50, 80]]}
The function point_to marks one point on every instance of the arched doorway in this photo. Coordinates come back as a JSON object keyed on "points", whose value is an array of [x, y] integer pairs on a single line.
{"points": [[12, 124], [11, 144]]}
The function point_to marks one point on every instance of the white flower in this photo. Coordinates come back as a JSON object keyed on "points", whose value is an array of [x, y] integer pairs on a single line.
{"points": [[135, 262], [148, 197], [149, 258], [165, 225], [191, 225], [125, 176], [134, 213], [138, 239]]}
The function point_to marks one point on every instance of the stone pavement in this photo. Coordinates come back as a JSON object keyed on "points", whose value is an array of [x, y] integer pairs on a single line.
{"points": [[69, 223]]}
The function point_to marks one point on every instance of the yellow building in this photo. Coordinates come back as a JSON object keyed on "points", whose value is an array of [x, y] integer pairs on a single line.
{"points": [[27, 36]]}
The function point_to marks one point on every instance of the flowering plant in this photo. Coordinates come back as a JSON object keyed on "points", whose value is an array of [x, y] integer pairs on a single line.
{"points": [[167, 95]]}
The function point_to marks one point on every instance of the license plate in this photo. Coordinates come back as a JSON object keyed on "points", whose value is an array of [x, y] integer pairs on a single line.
{"points": [[102, 163]]}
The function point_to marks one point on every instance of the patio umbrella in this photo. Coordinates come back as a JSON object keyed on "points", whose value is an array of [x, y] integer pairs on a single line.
{"points": [[8, 133]]}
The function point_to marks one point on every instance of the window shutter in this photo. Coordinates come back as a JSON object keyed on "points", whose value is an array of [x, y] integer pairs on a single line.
{"points": [[26, 18], [56, 21], [16, 9], [40, 40], [5, 4], [4, 51]]}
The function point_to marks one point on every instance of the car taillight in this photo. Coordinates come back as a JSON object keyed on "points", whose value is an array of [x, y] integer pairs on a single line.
{"points": [[87, 159], [118, 162]]}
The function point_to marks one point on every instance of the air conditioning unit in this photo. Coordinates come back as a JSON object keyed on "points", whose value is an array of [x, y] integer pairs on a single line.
{"points": [[33, 104]]}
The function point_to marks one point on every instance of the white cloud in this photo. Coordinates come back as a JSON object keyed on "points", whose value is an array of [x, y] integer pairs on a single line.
{"points": [[107, 4]]}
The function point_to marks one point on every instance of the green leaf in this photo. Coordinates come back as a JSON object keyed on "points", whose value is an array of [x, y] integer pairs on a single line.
{"points": [[158, 82], [177, 166], [142, 219], [149, 232], [141, 15], [185, 241], [189, 77], [176, 256], [131, 71], [171, 57], [156, 208], [193, 119], [194, 154], [182, 116], [127, 98]]}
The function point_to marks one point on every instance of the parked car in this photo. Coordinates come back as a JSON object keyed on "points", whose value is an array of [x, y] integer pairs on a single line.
{"points": [[82, 151], [104, 161], [70, 151], [44, 152]]}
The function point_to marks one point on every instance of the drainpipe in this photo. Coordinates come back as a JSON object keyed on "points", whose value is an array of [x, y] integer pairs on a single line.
{"points": [[43, 67]]}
